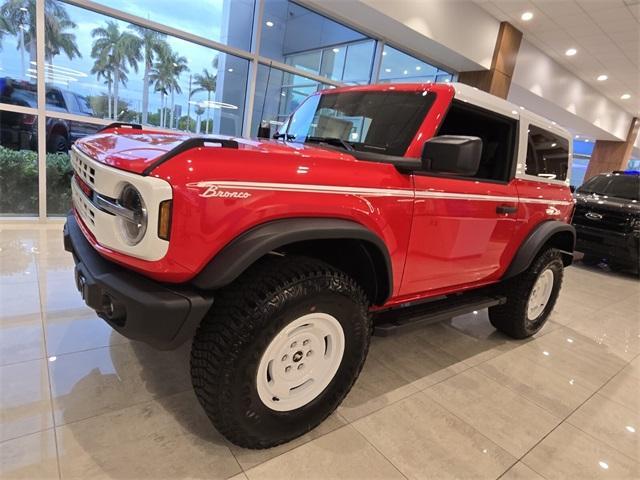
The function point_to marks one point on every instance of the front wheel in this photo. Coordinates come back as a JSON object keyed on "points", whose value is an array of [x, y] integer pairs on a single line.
{"points": [[279, 350], [531, 296]]}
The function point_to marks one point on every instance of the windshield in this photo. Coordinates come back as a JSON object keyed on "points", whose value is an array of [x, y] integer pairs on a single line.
{"points": [[621, 186], [381, 122]]}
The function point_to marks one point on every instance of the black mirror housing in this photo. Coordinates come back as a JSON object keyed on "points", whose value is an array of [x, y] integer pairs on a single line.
{"points": [[453, 154]]}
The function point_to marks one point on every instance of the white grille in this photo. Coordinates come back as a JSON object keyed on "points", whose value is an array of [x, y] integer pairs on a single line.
{"points": [[83, 169]]}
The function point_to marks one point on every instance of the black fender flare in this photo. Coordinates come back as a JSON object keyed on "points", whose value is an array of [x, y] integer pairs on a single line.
{"points": [[536, 240], [244, 250]]}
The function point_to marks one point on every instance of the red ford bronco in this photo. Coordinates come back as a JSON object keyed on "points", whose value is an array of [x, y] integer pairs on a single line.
{"points": [[279, 258]]}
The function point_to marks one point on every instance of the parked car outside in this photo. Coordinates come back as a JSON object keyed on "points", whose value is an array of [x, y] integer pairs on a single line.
{"points": [[19, 130]]}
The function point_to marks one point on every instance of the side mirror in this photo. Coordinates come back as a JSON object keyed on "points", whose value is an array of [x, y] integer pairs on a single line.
{"points": [[455, 154], [572, 188]]}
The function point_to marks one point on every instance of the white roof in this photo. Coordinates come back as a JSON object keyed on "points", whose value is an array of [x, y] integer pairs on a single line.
{"points": [[478, 97]]}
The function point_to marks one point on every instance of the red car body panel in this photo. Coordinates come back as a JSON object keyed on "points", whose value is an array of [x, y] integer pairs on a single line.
{"points": [[442, 234]]}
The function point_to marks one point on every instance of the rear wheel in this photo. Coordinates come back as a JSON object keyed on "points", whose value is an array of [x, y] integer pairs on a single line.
{"points": [[531, 296], [57, 144], [279, 350]]}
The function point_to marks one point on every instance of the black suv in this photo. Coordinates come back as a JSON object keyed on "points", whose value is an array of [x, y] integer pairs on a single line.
{"points": [[607, 219], [18, 130]]}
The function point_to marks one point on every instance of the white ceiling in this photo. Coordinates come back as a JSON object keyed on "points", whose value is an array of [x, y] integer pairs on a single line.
{"points": [[606, 34]]}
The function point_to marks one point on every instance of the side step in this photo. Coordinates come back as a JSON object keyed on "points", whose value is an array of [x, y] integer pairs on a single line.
{"points": [[391, 321]]}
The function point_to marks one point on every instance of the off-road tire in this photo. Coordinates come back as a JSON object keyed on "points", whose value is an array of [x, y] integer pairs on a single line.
{"points": [[57, 144], [244, 319], [511, 318]]}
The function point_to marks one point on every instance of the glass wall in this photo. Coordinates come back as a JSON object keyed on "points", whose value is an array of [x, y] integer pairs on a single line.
{"points": [[148, 62], [399, 67]]}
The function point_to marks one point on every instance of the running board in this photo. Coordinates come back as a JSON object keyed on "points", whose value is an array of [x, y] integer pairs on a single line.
{"points": [[394, 320]]}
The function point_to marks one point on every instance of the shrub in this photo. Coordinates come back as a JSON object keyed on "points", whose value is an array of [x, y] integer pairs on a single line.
{"points": [[19, 182]]}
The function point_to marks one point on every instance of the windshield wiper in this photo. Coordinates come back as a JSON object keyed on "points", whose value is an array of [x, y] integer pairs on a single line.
{"points": [[338, 142]]}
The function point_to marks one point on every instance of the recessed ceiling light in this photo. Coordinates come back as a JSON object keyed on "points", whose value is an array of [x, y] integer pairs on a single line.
{"points": [[554, 145], [571, 52], [384, 53], [526, 16], [388, 70], [625, 96], [336, 50], [230, 70], [269, 23], [406, 72], [602, 78], [577, 136], [418, 68]]}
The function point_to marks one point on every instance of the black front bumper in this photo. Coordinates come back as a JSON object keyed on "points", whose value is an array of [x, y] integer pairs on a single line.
{"points": [[621, 248], [139, 308]]}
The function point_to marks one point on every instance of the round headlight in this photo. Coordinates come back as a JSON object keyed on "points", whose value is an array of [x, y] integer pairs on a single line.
{"points": [[133, 226]]}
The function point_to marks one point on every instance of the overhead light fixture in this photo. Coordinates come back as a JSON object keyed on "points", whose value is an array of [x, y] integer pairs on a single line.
{"points": [[602, 78], [388, 70], [230, 70], [577, 136], [554, 145], [526, 16], [406, 72], [571, 52], [625, 96], [418, 68], [269, 23], [384, 53], [336, 50]]}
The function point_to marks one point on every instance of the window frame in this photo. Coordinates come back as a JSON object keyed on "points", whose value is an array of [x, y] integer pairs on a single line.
{"points": [[525, 122], [512, 156]]}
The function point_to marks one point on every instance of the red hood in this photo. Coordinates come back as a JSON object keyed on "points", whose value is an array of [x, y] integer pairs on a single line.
{"points": [[134, 152]]}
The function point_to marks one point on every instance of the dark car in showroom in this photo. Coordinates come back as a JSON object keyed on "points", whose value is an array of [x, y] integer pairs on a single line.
{"points": [[19, 130], [607, 219]]}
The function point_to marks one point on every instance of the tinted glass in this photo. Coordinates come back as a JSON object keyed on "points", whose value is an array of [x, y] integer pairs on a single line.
{"points": [[316, 44], [18, 164], [496, 132], [398, 67], [278, 94], [382, 122], [547, 154], [621, 186], [225, 21], [134, 74]]}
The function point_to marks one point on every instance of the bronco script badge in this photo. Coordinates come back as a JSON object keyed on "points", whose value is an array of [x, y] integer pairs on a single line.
{"points": [[211, 189]]}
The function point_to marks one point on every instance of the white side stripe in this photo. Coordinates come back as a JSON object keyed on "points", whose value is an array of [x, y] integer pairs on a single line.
{"points": [[370, 192]]}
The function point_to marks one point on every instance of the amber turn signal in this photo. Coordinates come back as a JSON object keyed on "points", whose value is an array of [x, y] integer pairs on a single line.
{"points": [[164, 220]]}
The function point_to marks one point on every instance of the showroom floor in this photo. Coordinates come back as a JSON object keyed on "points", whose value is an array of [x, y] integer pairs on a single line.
{"points": [[452, 400]]}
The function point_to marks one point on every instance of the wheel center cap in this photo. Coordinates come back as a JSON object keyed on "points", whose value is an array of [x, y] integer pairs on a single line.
{"points": [[297, 356]]}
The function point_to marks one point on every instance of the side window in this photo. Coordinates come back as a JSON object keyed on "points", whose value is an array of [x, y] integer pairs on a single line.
{"points": [[496, 131], [547, 154], [54, 99]]}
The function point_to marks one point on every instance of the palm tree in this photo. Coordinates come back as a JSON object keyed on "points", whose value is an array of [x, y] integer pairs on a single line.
{"points": [[165, 76], [20, 16], [178, 65], [198, 111], [103, 70], [206, 82], [118, 49], [153, 44]]}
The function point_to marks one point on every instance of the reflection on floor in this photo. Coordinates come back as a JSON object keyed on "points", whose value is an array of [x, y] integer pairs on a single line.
{"points": [[452, 400]]}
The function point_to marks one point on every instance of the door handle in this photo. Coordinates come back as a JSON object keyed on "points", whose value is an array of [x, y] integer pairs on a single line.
{"points": [[506, 209]]}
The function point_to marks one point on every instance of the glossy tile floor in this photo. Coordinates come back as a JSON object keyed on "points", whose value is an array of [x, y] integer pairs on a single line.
{"points": [[452, 400]]}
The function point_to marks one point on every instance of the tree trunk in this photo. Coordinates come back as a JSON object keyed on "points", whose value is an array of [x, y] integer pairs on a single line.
{"points": [[171, 112], [208, 110], [116, 82], [145, 93], [109, 98]]}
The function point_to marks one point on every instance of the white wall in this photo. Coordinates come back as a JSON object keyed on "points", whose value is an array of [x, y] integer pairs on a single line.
{"points": [[545, 85], [460, 35]]}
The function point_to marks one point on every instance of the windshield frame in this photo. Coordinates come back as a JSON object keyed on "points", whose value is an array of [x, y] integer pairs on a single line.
{"points": [[610, 178]]}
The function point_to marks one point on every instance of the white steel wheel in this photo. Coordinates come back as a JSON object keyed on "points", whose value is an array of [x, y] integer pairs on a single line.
{"points": [[300, 362], [540, 294]]}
